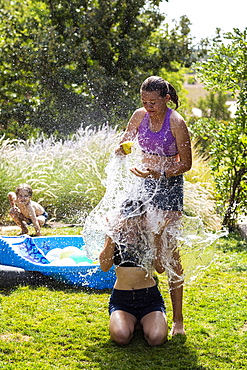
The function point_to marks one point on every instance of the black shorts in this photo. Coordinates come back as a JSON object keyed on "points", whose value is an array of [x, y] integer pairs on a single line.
{"points": [[165, 193], [45, 214], [137, 302]]}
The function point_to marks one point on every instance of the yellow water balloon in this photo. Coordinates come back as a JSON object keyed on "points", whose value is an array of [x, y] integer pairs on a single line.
{"points": [[127, 145]]}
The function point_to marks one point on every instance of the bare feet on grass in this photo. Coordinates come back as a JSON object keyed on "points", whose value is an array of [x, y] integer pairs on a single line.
{"points": [[177, 328]]}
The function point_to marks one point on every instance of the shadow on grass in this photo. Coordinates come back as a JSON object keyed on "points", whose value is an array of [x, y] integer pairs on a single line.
{"points": [[232, 243], [173, 355], [10, 281]]}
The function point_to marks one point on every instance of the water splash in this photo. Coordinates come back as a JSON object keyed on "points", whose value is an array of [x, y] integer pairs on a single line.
{"points": [[188, 235], [75, 167]]}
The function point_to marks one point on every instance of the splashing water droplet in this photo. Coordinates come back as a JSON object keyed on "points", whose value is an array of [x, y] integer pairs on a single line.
{"points": [[135, 233]]}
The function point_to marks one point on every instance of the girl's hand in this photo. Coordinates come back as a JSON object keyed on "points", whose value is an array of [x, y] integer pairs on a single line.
{"points": [[120, 151], [147, 173]]}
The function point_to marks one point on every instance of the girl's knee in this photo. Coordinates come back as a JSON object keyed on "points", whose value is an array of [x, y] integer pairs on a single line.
{"points": [[156, 334], [156, 338], [121, 337]]}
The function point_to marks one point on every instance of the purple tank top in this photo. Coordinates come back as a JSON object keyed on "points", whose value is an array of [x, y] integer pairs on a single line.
{"points": [[161, 143]]}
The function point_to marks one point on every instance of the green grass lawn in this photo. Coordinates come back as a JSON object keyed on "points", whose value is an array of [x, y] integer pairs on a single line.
{"points": [[59, 327]]}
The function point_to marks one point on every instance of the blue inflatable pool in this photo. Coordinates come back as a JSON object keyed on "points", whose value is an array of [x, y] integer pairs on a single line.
{"points": [[31, 254]]}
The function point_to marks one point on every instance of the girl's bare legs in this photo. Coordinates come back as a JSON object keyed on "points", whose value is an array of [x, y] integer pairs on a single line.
{"points": [[122, 327], [176, 294], [175, 273], [155, 328]]}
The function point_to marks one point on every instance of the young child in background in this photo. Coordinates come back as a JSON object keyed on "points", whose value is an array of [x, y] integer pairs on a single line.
{"points": [[25, 211]]}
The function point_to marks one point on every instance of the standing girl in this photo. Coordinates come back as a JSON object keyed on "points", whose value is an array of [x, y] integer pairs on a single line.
{"points": [[166, 154]]}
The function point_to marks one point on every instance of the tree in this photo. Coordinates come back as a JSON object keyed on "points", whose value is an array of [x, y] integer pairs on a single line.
{"points": [[72, 62], [214, 105], [226, 70], [176, 45]]}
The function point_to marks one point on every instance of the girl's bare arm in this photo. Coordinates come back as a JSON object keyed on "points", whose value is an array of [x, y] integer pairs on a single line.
{"points": [[131, 129], [107, 254], [181, 133]]}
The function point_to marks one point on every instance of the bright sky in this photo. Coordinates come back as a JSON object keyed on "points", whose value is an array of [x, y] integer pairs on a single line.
{"points": [[206, 16]]}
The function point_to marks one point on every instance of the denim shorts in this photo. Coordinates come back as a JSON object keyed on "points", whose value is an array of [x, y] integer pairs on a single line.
{"points": [[165, 193], [137, 302]]}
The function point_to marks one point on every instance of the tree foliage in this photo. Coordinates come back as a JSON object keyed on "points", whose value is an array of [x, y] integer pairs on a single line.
{"points": [[226, 70], [214, 106], [68, 62]]}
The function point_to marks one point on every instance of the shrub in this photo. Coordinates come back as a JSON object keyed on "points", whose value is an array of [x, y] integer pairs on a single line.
{"points": [[68, 177]]}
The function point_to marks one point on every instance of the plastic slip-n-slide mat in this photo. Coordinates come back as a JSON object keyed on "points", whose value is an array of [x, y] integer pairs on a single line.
{"points": [[61, 257]]}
